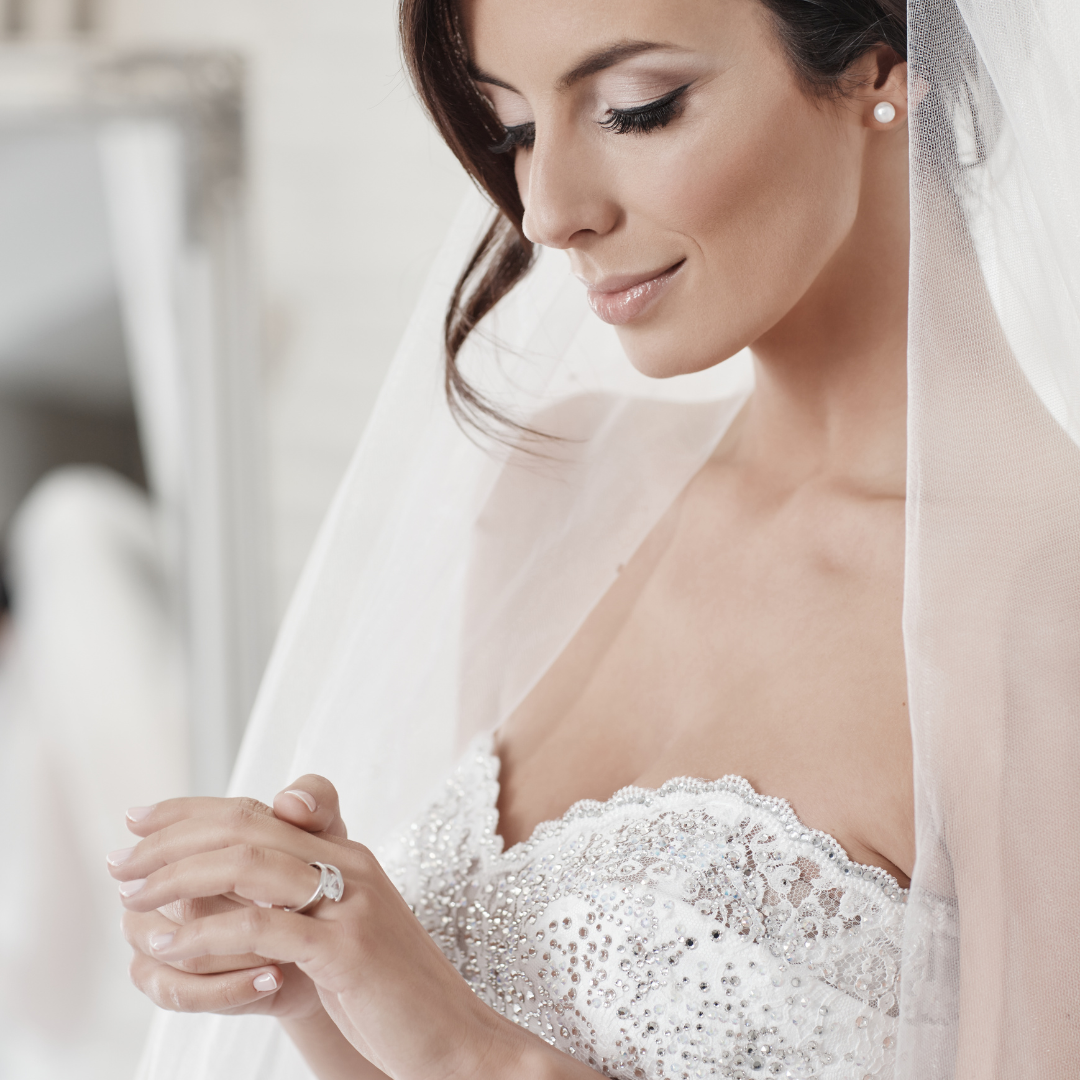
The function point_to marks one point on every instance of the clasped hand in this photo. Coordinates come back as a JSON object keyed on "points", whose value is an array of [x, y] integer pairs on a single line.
{"points": [[204, 893]]}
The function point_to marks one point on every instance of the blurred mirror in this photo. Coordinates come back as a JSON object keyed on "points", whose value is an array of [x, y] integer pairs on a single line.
{"points": [[131, 498], [126, 333]]}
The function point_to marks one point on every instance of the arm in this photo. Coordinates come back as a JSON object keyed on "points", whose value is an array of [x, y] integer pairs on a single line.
{"points": [[515, 1054], [329, 1055]]}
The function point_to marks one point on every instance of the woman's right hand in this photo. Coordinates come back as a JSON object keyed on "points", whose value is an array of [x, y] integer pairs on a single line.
{"points": [[229, 984]]}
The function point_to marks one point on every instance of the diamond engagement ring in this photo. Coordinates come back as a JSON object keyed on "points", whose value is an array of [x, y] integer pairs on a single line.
{"points": [[331, 885]]}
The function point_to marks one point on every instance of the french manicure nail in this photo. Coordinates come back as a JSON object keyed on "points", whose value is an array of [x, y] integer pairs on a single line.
{"points": [[120, 855], [265, 982], [139, 813], [161, 941], [262, 904], [130, 888], [305, 798]]}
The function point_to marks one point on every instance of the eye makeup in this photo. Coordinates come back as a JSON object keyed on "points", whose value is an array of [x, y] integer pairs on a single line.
{"points": [[638, 120], [645, 118], [518, 136]]}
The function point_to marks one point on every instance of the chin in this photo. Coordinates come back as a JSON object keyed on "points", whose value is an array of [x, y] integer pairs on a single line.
{"points": [[659, 355]]}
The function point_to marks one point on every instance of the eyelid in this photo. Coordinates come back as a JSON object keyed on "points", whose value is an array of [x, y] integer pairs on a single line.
{"points": [[505, 104], [663, 99], [522, 135], [641, 119]]}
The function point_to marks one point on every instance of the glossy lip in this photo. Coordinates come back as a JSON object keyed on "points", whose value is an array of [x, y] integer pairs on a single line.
{"points": [[619, 300]]}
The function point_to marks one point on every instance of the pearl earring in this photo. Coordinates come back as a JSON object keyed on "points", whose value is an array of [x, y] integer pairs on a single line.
{"points": [[884, 112]]}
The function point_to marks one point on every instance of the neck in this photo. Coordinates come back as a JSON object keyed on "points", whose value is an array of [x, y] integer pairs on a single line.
{"points": [[831, 394]]}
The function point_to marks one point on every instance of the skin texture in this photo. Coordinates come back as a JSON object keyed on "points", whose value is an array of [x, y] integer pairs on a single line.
{"points": [[756, 632]]}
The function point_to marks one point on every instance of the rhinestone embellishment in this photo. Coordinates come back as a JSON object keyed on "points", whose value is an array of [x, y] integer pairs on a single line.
{"points": [[695, 930]]}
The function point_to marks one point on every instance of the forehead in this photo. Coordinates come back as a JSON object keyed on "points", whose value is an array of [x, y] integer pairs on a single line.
{"points": [[550, 38]]}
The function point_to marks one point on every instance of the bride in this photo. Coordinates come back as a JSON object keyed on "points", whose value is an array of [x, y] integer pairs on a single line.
{"points": [[651, 594]]}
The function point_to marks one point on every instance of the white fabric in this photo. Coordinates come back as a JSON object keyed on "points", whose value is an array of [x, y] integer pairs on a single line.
{"points": [[390, 657], [992, 603], [185, 314], [91, 721], [695, 929], [142, 166]]}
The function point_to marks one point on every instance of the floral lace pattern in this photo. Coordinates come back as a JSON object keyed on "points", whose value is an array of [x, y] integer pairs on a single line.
{"points": [[696, 930]]}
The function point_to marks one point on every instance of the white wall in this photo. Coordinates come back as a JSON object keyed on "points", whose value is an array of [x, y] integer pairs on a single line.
{"points": [[353, 193]]}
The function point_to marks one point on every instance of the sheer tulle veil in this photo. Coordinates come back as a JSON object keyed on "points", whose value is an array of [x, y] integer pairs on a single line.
{"points": [[396, 648]]}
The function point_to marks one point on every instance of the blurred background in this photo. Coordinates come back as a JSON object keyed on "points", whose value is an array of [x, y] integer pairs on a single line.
{"points": [[215, 218]]}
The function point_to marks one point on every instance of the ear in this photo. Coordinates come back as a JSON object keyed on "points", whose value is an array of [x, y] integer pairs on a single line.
{"points": [[885, 83]]}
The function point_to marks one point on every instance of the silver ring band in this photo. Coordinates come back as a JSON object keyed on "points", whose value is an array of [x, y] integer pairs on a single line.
{"points": [[331, 886]]}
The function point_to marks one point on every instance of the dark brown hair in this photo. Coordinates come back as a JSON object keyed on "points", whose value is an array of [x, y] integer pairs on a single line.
{"points": [[823, 39]]}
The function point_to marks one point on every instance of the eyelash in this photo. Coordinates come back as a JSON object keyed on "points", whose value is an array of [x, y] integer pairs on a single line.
{"points": [[636, 121], [520, 135], [645, 118]]}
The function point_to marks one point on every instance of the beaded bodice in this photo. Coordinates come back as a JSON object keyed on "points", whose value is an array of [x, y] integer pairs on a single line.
{"points": [[696, 930]]}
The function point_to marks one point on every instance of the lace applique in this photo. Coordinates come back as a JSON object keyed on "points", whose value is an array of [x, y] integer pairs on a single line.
{"points": [[697, 930]]}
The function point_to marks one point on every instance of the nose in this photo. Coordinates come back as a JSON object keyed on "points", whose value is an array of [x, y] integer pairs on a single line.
{"points": [[565, 196]]}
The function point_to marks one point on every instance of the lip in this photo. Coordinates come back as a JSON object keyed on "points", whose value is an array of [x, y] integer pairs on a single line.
{"points": [[619, 300]]}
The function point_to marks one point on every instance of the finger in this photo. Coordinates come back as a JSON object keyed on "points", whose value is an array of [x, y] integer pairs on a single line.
{"points": [[144, 820], [311, 803], [180, 991], [290, 938], [236, 822], [263, 875], [185, 911], [140, 928]]}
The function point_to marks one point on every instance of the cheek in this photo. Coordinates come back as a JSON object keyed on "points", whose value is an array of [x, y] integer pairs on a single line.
{"points": [[761, 206]]}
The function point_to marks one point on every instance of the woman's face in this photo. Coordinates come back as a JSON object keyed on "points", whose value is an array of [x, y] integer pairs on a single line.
{"points": [[669, 148]]}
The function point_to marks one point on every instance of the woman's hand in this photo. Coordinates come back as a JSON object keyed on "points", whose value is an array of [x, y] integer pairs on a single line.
{"points": [[219, 984], [378, 973], [224, 984]]}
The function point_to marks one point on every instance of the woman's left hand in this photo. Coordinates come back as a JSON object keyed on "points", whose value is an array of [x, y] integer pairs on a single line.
{"points": [[380, 976]]}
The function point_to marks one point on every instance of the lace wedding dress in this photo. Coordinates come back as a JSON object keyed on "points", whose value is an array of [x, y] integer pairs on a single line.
{"points": [[695, 930]]}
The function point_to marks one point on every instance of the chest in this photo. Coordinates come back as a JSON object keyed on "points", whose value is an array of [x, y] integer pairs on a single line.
{"points": [[695, 930], [764, 642]]}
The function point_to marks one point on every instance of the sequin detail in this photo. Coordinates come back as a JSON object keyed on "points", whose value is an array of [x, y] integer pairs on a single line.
{"points": [[694, 930]]}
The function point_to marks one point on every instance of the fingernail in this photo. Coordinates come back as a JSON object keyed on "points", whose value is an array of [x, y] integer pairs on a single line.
{"points": [[130, 888], [120, 855], [265, 982], [139, 813], [263, 904], [305, 798], [161, 941]]}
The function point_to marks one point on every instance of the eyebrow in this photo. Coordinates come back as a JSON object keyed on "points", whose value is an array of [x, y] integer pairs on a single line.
{"points": [[591, 65]]}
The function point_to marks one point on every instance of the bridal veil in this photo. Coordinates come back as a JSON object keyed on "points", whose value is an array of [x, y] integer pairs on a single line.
{"points": [[396, 648]]}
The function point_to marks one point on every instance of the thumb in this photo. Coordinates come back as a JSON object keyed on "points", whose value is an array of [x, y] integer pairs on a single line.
{"points": [[311, 803]]}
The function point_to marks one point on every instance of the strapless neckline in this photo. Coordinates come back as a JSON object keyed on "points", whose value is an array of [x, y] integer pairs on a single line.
{"points": [[694, 929], [733, 784]]}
